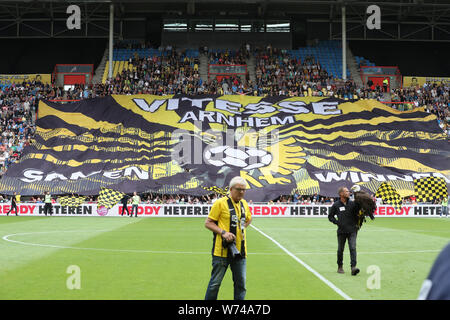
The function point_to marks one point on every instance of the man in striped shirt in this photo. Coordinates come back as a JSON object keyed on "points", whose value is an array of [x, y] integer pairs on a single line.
{"points": [[228, 219]]}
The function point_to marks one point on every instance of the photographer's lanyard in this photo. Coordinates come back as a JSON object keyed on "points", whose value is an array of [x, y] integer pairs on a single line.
{"points": [[234, 222]]}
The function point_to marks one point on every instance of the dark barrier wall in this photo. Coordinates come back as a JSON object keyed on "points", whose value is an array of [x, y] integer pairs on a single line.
{"points": [[22, 56], [227, 40], [413, 58]]}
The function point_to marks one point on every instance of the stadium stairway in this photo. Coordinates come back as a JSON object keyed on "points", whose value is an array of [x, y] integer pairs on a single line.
{"points": [[99, 72], [353, 68], [203, 67], [386, 96], [251, 68]]}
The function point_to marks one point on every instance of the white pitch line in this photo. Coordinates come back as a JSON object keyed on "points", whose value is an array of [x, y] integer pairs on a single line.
{"points": [[7, 238], [318, 275], [375, 252]]}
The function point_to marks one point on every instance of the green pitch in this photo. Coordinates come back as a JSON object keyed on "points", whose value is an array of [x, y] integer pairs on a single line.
{"points": [[169, 258]]}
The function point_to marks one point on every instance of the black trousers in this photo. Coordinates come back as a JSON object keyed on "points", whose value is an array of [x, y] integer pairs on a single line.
{"points": [[48, 208], [13, 206], [125, 208], [342, 238]]}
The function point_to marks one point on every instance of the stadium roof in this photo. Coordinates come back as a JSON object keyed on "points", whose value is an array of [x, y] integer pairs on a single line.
{"points": [[431, 14], [403, 8]]}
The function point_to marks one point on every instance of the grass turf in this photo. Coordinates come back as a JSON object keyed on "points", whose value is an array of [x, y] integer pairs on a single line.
{"points": [[169, 258]]}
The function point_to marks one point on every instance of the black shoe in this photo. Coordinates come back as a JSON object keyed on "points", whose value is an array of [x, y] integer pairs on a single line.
{"points": [[355, 271], [340, 270]]}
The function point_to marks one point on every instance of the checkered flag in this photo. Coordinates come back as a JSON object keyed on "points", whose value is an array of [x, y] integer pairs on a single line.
{"points": [[218, 190], [430, 188], [109, 198], [389, 196], [71, 201]]}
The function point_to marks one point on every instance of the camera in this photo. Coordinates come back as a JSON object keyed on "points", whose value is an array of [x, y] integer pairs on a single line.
{"points": [[231, 246]]}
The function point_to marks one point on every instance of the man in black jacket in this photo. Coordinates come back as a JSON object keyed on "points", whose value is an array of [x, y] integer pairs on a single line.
{"points": [[124, 202], [13, 204], [346, 212]]}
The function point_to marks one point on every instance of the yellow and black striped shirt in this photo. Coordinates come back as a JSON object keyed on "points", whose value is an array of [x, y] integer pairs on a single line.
{"points": [[221, 214]]}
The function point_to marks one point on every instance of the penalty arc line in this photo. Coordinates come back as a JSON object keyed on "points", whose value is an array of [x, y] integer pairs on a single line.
{"points": [[318, 275]]}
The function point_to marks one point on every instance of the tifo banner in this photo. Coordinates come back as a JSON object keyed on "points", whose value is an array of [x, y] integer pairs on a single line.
{"points": [[192, 144], [45, 78], [156, 210], [411, 81]]}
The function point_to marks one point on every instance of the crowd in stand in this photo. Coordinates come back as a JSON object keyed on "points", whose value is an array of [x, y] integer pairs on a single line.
{"points": [[17, 105], [278, 73], [159, 75], [230, 57], [434, 97]]}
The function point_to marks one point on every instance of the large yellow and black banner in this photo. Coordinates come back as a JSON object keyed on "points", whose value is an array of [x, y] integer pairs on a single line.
{"points": [[194, 144]]}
